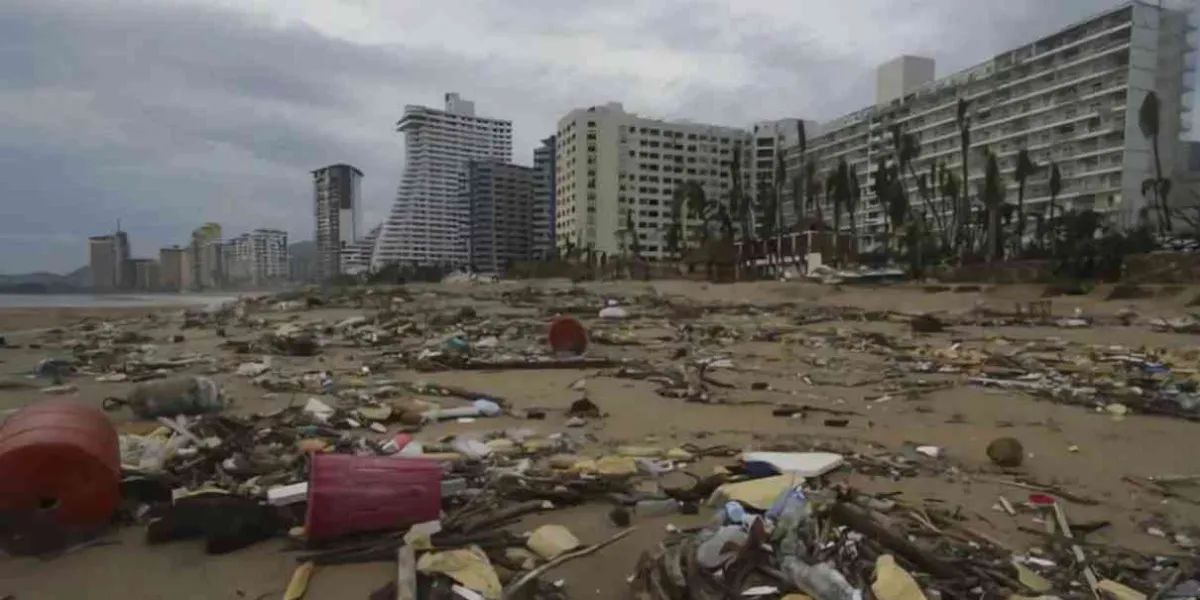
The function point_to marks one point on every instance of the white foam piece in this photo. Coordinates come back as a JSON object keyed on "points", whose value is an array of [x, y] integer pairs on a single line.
{"points": [[804, 464]]}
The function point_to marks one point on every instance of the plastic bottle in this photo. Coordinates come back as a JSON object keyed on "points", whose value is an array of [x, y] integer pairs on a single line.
{"points": [[790, 513], [487, 408], [479, 408], [613, 312], [731, 514], [328, 385], [457, 345], [790, 503], [170, 397], [656, 507], [821, 581], [712, 553]]}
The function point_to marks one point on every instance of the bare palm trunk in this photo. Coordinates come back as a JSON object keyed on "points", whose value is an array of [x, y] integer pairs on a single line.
{"points": [[1158, 178], [1020, 243]]}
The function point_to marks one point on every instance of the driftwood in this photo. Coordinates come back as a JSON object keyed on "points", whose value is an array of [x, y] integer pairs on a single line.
{"points": [[515, 364], [469, 524], [468, 394], [406, 573], [538, 572], [862, 522], [790, 410], [1043, 488]]}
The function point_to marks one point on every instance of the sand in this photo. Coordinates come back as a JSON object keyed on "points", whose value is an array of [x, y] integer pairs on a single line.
{"points": [[1079, 449], [16, 320]]}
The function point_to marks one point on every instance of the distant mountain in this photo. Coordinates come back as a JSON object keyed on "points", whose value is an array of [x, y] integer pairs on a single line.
{"points": [[43, 282], [81, 277]]}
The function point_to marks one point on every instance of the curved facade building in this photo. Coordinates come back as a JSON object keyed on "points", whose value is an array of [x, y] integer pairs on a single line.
{"points": [[429, 220]]}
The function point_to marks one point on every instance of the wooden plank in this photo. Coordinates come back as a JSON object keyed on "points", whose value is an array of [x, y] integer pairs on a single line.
{"points": [[406, 573]]}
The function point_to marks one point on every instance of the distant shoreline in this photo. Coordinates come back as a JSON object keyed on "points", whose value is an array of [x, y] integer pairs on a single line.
{"points": [[122, 300], [86, 292]]}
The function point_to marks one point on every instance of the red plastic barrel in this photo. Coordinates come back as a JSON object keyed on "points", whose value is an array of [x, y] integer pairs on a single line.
{"points": [[567, 335], [61, 458], [354, 494]]}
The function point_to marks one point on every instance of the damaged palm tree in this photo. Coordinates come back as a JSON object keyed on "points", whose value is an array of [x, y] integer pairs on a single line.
{"points": [[1156, 188], [993, 201]]}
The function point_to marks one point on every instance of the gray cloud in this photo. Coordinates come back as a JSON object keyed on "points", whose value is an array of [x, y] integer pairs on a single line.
{"points": [[170, 113]]}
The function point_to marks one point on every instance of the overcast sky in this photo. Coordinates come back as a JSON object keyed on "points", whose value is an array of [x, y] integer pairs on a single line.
{"points": [[168, 113]]}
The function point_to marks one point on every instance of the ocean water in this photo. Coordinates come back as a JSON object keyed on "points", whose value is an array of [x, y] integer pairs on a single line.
{"points": [[109, 300]]}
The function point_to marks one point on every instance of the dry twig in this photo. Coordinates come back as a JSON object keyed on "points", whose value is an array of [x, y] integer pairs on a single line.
{"points": [[538, 572]]}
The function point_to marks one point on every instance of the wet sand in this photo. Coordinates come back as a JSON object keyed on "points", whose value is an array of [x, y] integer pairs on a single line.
{"points": [[15, 320], [1076, 448]]}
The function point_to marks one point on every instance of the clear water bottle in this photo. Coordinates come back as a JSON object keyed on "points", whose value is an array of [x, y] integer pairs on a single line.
{"points": [[656, 507], [719, 546], [790, 513], [821, 581]]}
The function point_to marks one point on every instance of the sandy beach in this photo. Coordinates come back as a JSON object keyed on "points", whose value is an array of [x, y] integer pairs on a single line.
{"points": [[16, 320], [1083, 450], [38, 311]]}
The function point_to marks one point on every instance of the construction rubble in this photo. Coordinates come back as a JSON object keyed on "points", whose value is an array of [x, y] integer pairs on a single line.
{"points": [[342, 426]]}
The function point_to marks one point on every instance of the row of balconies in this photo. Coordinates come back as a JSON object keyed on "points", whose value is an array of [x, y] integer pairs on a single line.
{"points": [[879, 137], [1114, 126], [877, 117], [1087, 169]]}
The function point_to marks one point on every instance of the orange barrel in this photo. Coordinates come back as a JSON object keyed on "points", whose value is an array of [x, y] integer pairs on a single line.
{"points": [[567, 335], [61, 458]]}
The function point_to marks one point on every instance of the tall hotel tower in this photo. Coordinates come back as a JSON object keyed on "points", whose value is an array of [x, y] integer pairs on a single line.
{"points": [[429, 221]]}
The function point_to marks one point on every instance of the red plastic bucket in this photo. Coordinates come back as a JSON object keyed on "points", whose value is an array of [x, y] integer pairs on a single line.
{"points": [[567, 335], [355, 494], [61, 460]]}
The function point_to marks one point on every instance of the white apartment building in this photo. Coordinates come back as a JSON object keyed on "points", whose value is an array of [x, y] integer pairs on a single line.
{"points": [[211, 263], [337, 208], [270, 255], [358, 258], [766, 142], [239, 260], [609, 162], [542, 242], [428, 222], [257, 257], [1071, 98]]}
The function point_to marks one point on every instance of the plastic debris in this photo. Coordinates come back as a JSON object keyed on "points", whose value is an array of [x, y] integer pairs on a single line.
{"points": [[549, 541], [469, 566], [170, 397]]}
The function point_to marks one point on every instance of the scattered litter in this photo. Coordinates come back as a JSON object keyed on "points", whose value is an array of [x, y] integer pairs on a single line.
{"points": [[341, 451]]}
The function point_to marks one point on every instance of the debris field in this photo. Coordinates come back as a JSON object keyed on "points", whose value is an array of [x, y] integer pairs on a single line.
{"points": [[654, 440]]}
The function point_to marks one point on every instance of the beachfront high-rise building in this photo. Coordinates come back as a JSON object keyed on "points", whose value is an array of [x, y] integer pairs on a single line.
{"points": [[901, 75], [766, 143], [542, 243], [126, 272], [610, 163], [258, 257], [501, 201], [428, 222], [204, 261], [110, 262], [358, 258], [1071, 98], [145, 274], [270, 255], [337, 202], [211, 256], [174, 271], [239, 260], [103, 263]]}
